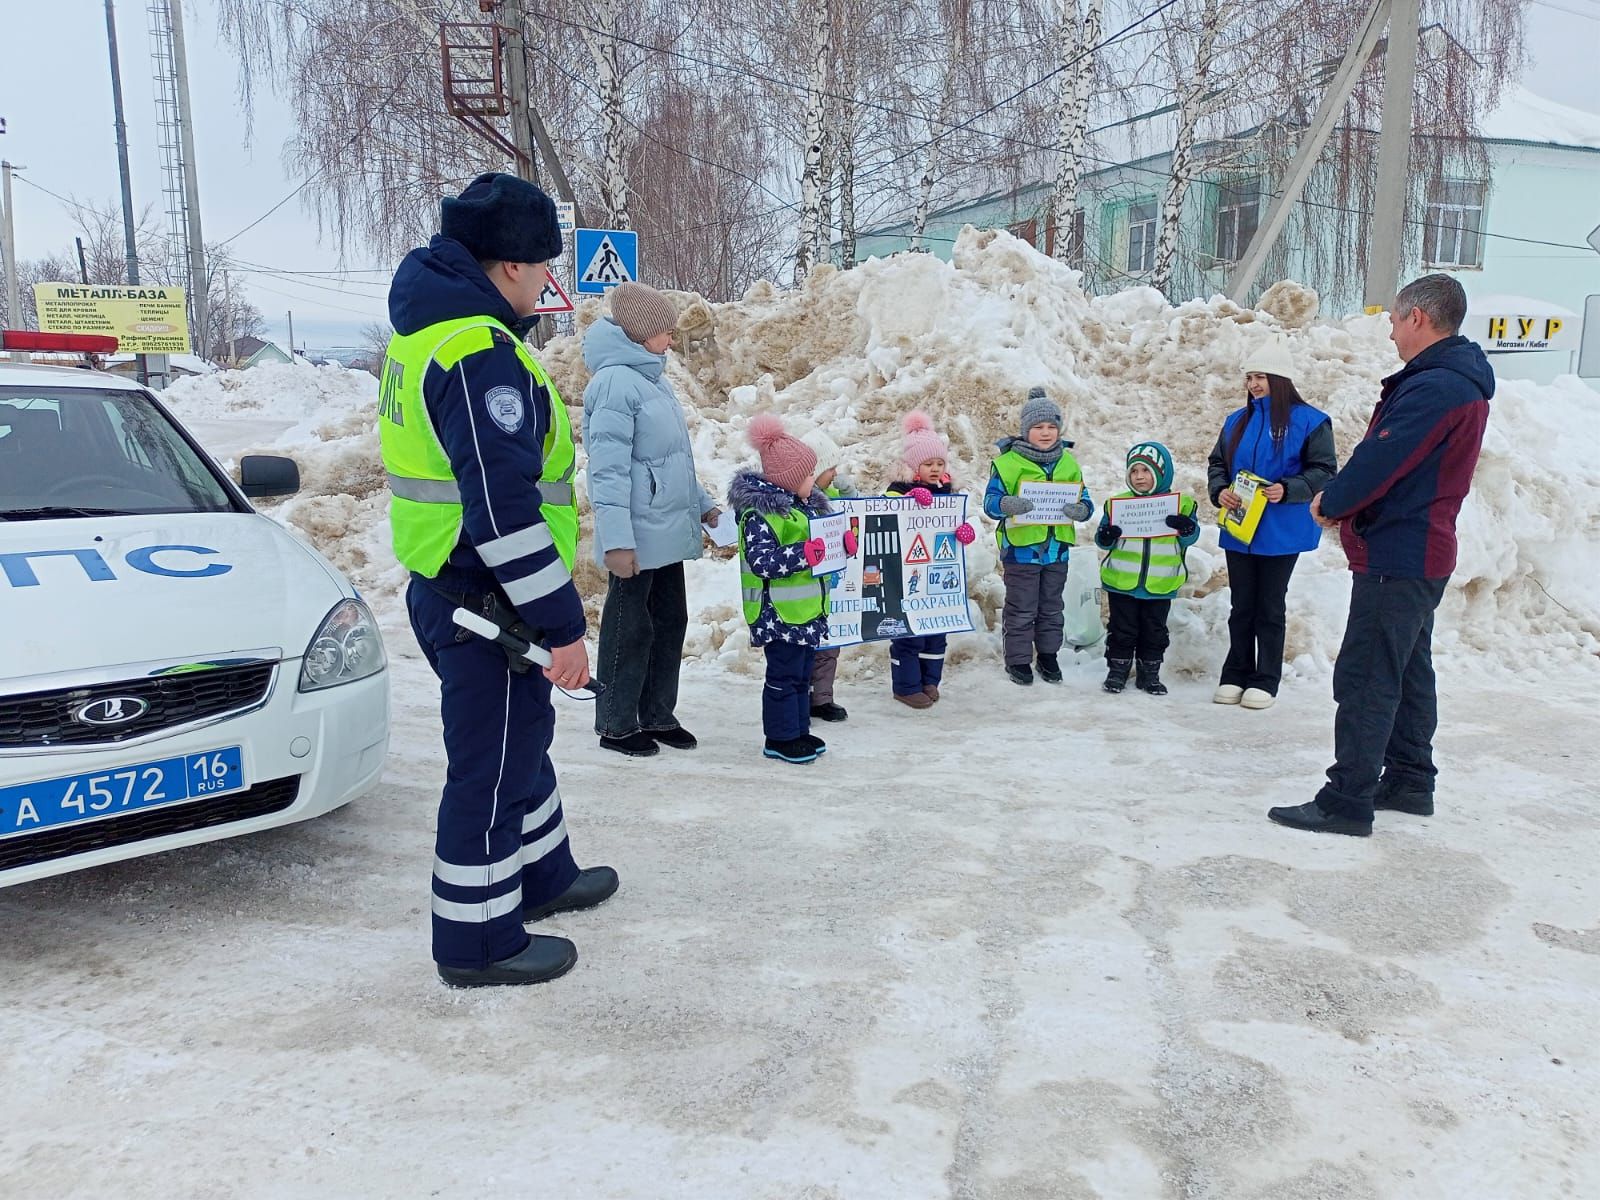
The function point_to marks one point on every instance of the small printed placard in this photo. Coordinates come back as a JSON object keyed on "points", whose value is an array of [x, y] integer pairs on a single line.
{"points": [[1050, 502], [1145, 516]]}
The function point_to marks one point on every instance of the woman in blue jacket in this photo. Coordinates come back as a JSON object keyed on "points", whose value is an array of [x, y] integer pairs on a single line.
{"points": [[1284, 440], [648, 506]]}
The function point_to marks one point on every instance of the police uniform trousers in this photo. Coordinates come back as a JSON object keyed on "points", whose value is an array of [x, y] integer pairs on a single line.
{"points": [[502, 840]]}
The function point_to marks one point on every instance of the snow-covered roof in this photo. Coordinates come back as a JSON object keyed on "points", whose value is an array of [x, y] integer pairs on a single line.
{"points": [[1522, 116], [182, 362]]}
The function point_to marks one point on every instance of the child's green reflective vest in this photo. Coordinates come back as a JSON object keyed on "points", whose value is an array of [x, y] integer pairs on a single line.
{"points": [[425, 502], [1014, 471], [1155, 564], [798, 598]]}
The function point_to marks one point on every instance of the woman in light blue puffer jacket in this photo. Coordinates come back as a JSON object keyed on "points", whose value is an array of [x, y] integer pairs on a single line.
{"points": [[648, 507]]}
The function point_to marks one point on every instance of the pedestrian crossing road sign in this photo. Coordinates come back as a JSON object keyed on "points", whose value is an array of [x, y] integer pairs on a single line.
{"points": [[944, 548], [605, 258], [554, 298]]}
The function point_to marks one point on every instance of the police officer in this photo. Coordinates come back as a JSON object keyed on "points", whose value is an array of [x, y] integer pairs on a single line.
{"points": [[480, 460]]}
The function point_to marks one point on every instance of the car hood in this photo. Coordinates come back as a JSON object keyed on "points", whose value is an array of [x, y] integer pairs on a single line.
{"points": [[80, 597]]}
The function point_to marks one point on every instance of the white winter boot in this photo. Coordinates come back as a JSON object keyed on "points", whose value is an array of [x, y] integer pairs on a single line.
{"points": [[1257, 698], [1227, 693]]}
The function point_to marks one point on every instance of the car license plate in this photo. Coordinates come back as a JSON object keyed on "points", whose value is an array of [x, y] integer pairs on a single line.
{"points": [[27, 807]]}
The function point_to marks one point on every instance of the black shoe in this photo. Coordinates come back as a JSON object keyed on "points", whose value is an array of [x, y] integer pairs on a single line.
{"points": [[828, 712], [1049, 668], [677, 737], [790, 750], [1418, 804], [817, 744], [1022, 674], [637, 744], [594, 885], [543, 959], [1148, 678], [1117, 674], [1312, 817]]}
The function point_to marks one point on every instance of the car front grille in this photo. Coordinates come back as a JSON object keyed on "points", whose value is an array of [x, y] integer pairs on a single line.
{"points": [[27, 849], [43, 719]]}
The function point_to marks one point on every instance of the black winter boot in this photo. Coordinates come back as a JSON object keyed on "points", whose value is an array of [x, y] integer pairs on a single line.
{"points": [[1020, 673], [637, 744], [1117, 674], [1149, 678], [791, 750], [1049, 668], [828, 712]]}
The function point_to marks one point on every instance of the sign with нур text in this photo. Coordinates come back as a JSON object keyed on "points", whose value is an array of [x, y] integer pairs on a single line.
{"points": [[1512, 332], [1144, 516], [1050, 501], [144, 320], [831, 530], [908, 576]]}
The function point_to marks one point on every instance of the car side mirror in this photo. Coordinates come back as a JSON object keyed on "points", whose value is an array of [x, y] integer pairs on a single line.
{"points": [[262, 475]]}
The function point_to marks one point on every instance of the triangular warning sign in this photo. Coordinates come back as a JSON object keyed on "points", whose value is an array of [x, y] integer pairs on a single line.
{"points": [[606, 266], [918, 553], [553, 299]]}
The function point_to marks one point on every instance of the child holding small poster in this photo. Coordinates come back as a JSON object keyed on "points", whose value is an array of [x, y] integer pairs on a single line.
{"points": [[785, 602], [1144, 566], [1033, 553], [916, 664]]}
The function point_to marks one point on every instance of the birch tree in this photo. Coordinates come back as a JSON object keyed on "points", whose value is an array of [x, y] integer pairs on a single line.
{"points": [[816, 107], [1078, 37], [957, 18], [601, 38], [1193, 83]]}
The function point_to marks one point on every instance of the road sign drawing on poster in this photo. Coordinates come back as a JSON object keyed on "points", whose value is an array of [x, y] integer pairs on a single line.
{"points": [[918, 554], [606, 257]]}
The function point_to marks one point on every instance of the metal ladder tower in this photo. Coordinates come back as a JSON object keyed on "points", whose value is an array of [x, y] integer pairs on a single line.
{"points": [[179, 187]]}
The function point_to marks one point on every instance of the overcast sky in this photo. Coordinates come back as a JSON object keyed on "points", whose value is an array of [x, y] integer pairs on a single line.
{"points": [[55, 95]]}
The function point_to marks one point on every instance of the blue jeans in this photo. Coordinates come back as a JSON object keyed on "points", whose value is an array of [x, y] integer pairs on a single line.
{"points": [[1383, 683], [786, 698], [502, 839]]}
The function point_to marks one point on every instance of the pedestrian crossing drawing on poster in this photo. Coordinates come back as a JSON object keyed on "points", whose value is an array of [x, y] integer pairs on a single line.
{"points": [[908, 576]]}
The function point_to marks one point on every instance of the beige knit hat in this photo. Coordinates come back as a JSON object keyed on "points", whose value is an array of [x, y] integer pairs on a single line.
{"points": [[642, 311]]}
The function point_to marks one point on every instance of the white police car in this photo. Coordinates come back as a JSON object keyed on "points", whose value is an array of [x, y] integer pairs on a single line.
{"points": [[174, 667]]}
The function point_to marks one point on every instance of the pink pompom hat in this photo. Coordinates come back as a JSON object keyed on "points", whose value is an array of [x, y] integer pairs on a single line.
{"points": [[785, 459], [922, 443]]}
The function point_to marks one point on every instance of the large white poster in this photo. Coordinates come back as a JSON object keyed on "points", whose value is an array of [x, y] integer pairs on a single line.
{"points": [[908, 576]]}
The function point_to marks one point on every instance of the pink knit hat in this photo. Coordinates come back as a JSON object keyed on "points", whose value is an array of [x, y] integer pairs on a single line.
{"points": [[785, 460], [922, 443]]}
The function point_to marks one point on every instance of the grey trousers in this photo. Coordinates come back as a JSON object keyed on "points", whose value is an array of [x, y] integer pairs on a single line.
{"points": [[823, 669], [1033, 616]]}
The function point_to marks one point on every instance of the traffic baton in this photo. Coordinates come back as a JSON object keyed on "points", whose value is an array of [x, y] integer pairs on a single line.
{"points": [[538, 655]]}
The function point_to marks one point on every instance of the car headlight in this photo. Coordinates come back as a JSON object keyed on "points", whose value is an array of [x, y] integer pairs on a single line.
{"points": [[347, 647]]}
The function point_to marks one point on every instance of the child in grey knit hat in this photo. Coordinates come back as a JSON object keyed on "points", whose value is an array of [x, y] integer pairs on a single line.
{"points": [[1034, 556]]}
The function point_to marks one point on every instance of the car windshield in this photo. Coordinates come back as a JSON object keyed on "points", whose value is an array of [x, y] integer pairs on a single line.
{"points": [[77, 451]]}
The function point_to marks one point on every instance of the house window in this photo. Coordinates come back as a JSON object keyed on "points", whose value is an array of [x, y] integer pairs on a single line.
{"points": [[1075, 243], [1238, 211], [1027, 230], [1142, 236], [1453, 236]]}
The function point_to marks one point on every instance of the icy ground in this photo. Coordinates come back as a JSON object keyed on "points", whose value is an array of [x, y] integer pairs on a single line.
{"points": [[930, 965]]}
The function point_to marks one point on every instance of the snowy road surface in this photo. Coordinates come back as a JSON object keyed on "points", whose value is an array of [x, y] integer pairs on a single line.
{"points": [[1024, 945]]}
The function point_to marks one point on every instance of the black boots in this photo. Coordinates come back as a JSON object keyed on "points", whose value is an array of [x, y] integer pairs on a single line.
{"points": [[1117, 674], [792, 750], [1020, 673], [1315, 819], [637, 744], [594, 885], [828, 712], [1418, 804], [1149, 678], [544, 958], [1049, 668], [677, 737]]}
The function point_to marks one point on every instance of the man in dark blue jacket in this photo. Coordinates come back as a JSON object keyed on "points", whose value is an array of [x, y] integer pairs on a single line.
{"points": [[1395, 505], [479, 458]]}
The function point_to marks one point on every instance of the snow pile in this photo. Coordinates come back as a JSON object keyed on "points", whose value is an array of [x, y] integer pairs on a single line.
{"points": [[281, 391], [846, 356]]}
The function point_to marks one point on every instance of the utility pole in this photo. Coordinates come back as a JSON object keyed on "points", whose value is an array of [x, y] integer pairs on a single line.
{"points": [[1394, 155], [515, 60], [227, 315], [199, 281], [83, 263], [130, 248], [1309, 151], [8, 234], [291, 336]]}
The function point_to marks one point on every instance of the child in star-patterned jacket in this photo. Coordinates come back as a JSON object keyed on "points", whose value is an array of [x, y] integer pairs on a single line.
{"points": [[785, 603]]}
